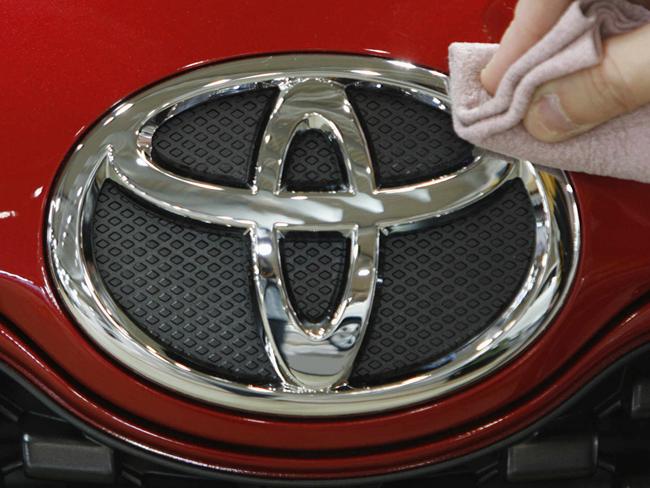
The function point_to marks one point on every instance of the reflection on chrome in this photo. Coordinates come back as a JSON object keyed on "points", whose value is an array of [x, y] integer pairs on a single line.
{"points": [[313, 360]]}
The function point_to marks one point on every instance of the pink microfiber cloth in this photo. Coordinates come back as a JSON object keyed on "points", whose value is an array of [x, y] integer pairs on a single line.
{"points": [[619, 148]]}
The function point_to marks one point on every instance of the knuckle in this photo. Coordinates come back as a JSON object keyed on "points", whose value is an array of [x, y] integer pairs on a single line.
{"points": [[611, 87]]}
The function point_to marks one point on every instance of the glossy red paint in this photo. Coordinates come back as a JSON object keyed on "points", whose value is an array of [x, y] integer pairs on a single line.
{"points": [[65, 65]]}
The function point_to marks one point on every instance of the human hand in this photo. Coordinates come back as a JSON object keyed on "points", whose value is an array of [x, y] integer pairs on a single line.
{"points": [[568, 106]]}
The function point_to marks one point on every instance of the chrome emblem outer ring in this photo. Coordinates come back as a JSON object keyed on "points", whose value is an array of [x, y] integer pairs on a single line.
{"points": [[313, 360]]}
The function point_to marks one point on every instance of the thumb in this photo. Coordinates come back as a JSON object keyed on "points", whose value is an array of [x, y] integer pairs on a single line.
{"points": [[571, 105]]}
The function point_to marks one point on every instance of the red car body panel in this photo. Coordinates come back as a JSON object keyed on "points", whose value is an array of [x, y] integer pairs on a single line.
{"points": [[65, 65]]}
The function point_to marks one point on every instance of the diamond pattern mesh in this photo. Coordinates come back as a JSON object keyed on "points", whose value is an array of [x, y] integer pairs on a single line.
{"points": [[409, 140], [313, 163], [185, 284], [443, 285], [189, 285], [314, 265], [215, 141]]}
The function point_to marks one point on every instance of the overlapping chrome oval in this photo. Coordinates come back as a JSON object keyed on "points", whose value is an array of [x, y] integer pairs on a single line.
{"points": [[312, 360]]}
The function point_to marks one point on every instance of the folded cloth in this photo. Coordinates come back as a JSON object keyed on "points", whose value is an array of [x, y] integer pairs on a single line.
{"points": [[619, 148]]}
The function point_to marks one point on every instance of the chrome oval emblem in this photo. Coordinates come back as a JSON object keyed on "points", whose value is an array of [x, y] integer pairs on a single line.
{"points": [[313, 360]]}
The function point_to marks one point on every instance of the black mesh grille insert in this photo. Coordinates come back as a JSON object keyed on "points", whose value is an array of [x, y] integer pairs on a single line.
{"points": [[216, 141], [443, 285], [314, 163], [185, 284], [315, 269], [409, 140], [190, 285]]}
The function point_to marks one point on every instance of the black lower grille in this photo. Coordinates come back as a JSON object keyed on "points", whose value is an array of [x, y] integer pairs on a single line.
{"points": [[442, 285], [606, 410], [187, 285]]}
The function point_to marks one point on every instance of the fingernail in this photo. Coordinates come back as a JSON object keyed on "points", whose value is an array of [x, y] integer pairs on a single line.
{"points": [[547, 120]]}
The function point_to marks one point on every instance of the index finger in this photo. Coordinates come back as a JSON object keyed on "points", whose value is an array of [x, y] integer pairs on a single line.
{"points": [[532, 20]]}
